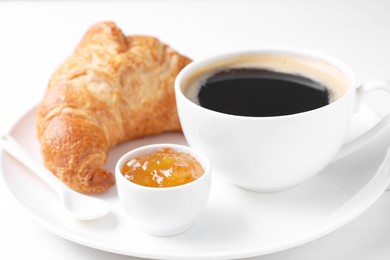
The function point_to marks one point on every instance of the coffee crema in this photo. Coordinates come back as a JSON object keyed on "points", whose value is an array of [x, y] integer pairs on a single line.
{"points": [[261, 93], [318, 75]]}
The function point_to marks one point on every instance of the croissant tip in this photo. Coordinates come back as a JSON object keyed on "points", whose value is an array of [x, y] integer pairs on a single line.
{"points": [[101, 180], [105, 24]]}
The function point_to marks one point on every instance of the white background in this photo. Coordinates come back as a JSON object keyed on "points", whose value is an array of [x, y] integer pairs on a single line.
{"points": [[35, 37]]}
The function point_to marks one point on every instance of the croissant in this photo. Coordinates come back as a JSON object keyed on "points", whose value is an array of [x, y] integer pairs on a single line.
{"points": [[112, 89]]}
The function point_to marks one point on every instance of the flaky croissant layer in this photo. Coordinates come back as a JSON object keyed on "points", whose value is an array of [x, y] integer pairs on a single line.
{"points": [[112, 89]]}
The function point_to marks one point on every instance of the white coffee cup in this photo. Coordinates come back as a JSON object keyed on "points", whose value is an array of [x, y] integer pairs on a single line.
{"points": [[273, 153], [163, 211]]}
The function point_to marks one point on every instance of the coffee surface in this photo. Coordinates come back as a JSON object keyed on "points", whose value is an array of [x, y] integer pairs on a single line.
{"points": [[261, 93]]}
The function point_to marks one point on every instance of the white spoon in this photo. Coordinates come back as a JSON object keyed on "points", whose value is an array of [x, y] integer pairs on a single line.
{"points": [[79, 206]]}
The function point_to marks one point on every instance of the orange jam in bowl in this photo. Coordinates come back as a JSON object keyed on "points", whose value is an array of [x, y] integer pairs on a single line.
{"points": [[163, 188], [164, 168]]}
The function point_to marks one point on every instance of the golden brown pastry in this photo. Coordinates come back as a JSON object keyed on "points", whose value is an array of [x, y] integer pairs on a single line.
{"points": [[112, 89]]}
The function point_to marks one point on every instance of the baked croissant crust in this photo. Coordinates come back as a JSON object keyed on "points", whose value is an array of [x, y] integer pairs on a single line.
{"points": [[112, 89]]}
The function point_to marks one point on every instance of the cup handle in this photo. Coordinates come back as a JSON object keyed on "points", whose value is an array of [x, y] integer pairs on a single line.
{"points": [[380, 127]]}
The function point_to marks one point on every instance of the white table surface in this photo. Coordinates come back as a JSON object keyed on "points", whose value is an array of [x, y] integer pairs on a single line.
{"points": [[36, 36]]}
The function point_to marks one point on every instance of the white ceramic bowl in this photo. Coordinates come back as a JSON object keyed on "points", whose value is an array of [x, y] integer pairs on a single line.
{"points": [[163, 211]]}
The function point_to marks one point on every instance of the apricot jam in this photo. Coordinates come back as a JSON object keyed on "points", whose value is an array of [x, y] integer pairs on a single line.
{"points": [[164, 168]]}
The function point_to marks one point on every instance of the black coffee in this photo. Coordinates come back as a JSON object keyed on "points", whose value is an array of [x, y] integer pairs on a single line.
{"points": [[261, 93]]}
